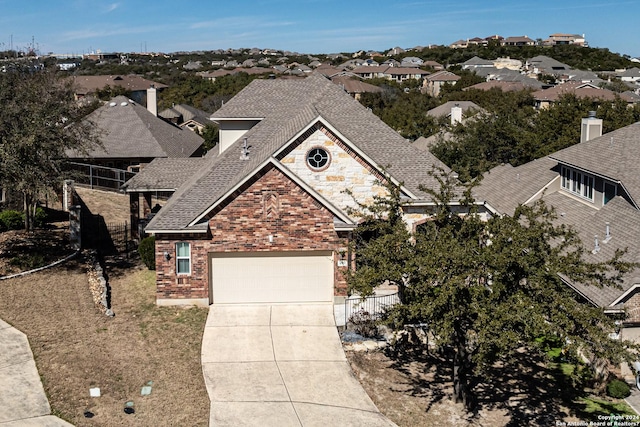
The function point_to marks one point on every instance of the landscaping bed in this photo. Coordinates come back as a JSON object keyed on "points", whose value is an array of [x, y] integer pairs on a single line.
{"points": [[21, 250]]}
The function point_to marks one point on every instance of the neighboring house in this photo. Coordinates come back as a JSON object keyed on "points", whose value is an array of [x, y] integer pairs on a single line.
{"points": [[476, 62], [213, 75], [395, 51], [355, 87], [398, 74], [459, 44], [132, 136], [542, 64], [268, 217], [433, 65], [192, 65], [411, 61], [455, 110], [498, 84], [507, 75], [594, 188], [186, 116], [135, 85], [432, 84], [560, 38], [544, 98], [581, 76], [518, 41], [630, 75], [511, 64]]}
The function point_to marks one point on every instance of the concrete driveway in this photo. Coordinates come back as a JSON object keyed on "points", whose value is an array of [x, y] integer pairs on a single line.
{"points": [[281, 365]]}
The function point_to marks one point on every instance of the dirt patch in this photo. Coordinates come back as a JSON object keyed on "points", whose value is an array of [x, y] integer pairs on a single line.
{"points": [[76, 348], [415, 390]]}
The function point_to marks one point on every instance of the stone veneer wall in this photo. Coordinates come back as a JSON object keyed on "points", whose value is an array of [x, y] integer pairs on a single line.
{"points": [[633, 309], [345, 172], [273, 205]]}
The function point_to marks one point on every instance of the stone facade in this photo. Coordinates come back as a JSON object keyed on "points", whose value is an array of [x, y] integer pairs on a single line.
{"points": [[344, 172], [270, 205]]}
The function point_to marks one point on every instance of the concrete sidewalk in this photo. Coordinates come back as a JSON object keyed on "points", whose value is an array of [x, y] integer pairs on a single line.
{"points": [[22, 399], [281, 365]]}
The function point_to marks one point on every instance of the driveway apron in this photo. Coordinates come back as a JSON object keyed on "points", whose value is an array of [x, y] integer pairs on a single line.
{"points": [[281, 365]]}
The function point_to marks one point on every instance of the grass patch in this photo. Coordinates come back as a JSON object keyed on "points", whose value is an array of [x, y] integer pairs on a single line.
{"points": [[595, 406]]}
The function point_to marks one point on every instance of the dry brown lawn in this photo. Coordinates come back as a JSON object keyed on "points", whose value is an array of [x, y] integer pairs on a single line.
{"points": [[414, 390], [77, 348]]}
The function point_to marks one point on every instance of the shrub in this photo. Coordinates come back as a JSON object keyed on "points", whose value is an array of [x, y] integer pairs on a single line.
{"points": [[28, 262], [618, 389], [364, 324], [147, 251], [11, 220], [40, 218]]}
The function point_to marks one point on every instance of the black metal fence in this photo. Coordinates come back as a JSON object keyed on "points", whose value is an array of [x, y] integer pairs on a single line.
{"points": [[373, 306], [107, 238]]}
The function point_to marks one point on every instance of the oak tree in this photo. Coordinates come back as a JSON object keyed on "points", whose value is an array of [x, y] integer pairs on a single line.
{"points": [[486, 288], [40, 120]]}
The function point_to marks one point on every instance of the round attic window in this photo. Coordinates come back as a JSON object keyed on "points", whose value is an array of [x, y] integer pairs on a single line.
{"points": [[318, 158]]}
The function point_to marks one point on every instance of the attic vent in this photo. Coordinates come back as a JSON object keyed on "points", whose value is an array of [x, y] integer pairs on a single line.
{"points": [[113, 104], [123, 104]]}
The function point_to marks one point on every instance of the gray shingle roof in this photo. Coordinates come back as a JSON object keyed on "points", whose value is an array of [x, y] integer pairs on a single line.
{"points": [[445, 109], [164, 174], [475, 61], [505, 187], [615, 155], [89, 84], [129, 130], [186, 112], [288, 107], [589, 222]]}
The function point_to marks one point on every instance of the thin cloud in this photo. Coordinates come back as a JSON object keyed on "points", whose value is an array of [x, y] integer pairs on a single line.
{"points": [[234, 23], [85, 34], [110, 8]]}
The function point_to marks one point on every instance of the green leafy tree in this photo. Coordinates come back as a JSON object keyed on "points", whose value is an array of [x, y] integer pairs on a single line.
{"points": [[40, 120], [513, 132], [108, 92], [486, 289], [210, 134]]}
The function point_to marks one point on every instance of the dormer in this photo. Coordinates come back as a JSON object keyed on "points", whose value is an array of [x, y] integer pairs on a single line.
{"points": [[232, 129]]}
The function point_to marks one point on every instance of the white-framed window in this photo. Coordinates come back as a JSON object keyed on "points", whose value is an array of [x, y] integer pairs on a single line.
{"points": [[183, 258], [578, 183]]}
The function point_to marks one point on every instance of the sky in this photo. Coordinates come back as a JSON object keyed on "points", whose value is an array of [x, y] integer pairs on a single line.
{"points": [[304, 26]]}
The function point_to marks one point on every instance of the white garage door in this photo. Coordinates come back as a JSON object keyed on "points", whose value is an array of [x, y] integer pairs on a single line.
{"points": [[272, 277]]}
